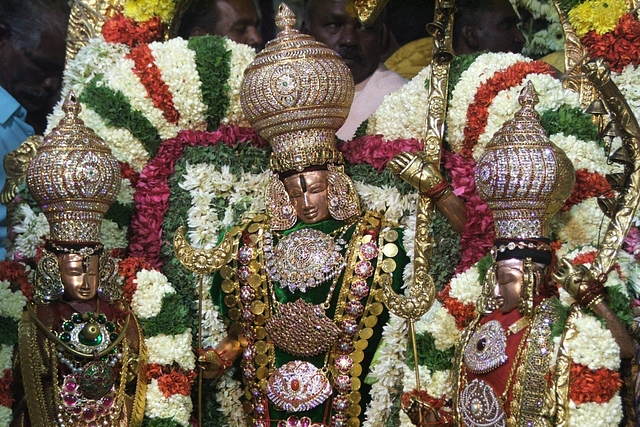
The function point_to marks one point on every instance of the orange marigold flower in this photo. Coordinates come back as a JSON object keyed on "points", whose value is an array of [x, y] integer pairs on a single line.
{"points": [[463, 313], [176, 382]]}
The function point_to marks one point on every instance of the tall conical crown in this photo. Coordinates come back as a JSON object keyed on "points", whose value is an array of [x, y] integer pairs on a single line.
{"points": [[523, 176], [297, 93], [74, 178]]}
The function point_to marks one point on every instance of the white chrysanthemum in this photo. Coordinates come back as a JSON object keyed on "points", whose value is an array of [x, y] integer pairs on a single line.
{"points": [[112, 236], [409, 380], [402, 114], [229, 396], [581, 224], [152, 286], [6, 416], [120, 77], [465, 287], [539, 9], [177, 407], [31, 230], [167, 349], [551, 96], [408, 240], [241, 56], [481, 70], [596, 415], [177, 64], [6, 357], [594, 345], [12, 302], [423, 322], [124, 146]]}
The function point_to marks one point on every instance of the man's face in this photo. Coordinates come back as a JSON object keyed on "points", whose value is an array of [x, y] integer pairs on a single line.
{"points": [[239, 21], [33, 76], [80, 281], [308, 192], [497, 29], [336, 26]]}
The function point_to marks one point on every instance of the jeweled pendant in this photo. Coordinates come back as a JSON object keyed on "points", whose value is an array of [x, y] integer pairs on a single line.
{"points": [[96, 379], [480, 407], [487, 348], [298, 386]]}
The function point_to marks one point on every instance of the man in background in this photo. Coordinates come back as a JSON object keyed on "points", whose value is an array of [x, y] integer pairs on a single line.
{"points": [[32, 54], [236, 19], [333, 22]]}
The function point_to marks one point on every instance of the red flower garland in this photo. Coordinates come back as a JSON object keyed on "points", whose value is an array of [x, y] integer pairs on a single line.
{"points": [[588, 385], [375, 151], [152, 192], [151, 78], [618, 48], [128, 268], [478, 111], [16, 274], [6, 381], [588, 184], [127, 172], [171, 381], [121, 29]]}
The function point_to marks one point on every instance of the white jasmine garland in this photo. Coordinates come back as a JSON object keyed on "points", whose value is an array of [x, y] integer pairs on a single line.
{"points": [[593, 414], [125, 147], [177, 64], [31, 229], [386, 200], [176, 407], [6, 357], [627, 82], [228, 396], [584, 154], [244, 193], [387, 370], [13, 303], [402, 114], [581, 224], [6, 416], [152, 286], [481, 70], [125, 195], [120, 77], [465, 286], [408, 222], [594, 345], [213, 327], [112, 236], [505, 104], [241, 56], [167, 349]]}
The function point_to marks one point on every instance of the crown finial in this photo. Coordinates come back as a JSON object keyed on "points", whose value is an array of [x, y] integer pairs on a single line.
{"points": [[285, 19]]}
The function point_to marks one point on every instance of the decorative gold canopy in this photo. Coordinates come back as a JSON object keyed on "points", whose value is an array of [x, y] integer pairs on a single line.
{"points": [[296, 94], [74, 178], [523, 176]]}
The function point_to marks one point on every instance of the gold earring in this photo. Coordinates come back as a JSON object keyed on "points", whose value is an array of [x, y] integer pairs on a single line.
{"points": [[525, 303], [342, 196], [487, 303], [282, 214], [48, 283]]}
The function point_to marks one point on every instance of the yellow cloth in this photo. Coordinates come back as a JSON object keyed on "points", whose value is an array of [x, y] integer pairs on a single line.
{"points": [[556, 60], [411, 58]]}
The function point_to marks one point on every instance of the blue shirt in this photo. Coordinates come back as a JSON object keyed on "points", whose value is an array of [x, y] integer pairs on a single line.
{"points": [[13, 131]]}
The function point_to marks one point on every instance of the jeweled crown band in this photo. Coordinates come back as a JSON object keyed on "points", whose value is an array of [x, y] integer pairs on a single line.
{"points": [[539, 250]]}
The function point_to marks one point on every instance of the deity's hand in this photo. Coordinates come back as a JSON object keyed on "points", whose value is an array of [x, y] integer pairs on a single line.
{"points": [[579, 283], [213, 362], [418, 171]]}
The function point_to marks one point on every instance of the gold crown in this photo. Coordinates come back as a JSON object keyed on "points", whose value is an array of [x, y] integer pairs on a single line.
{"points": [[523, 176], [297, 93], [74, 178]]}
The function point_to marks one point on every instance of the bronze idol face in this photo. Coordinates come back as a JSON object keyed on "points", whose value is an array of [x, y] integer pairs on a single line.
{"points": [[308, 192], [509, 285], [80, 281]]}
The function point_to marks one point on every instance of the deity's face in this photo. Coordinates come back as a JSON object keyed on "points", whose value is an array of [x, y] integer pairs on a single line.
{"points": [[508, 287], [80, 281], [308, 192]]}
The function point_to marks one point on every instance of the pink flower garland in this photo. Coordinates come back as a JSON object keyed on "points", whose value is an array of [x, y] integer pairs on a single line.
{"points": [[376, 151], [152, 192], [477, 238]]}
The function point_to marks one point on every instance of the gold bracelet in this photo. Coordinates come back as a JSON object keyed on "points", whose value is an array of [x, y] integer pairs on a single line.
{"points": [[597, 300]]}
